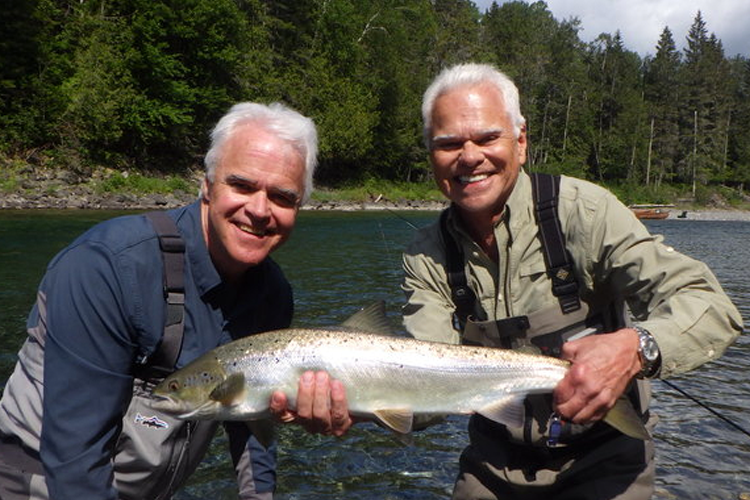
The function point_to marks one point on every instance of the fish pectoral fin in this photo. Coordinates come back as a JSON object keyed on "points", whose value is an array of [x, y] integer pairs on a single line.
{"points": [[508, 410], [263, 430], [397, 419], [230, 391], [625, 419]]}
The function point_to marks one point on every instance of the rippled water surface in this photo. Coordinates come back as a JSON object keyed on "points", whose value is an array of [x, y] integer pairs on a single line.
{"points": [[340, 261]]}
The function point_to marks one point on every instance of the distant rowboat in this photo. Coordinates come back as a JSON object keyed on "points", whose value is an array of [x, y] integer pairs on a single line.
{"points": [[650, 213]]}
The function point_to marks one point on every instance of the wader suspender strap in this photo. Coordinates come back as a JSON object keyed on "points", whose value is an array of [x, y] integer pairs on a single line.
{"points": [[163, 360], [546, 189], [545, 192], [172, 246], [462, 295]]}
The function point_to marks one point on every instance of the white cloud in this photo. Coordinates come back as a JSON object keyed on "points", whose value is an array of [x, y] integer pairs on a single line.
{"points": [[641, 22]]}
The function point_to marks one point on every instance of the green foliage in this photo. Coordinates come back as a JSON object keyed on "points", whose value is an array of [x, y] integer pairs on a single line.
{"points": [[9, 178], [137, 183], [137, 85], [372, 189], [632, 193]]}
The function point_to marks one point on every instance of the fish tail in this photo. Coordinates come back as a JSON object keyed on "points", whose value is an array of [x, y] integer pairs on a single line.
{"points": [[625, 419]]}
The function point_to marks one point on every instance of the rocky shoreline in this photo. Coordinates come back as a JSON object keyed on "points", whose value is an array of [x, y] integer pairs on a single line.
{"points": [[72, 199], [84, 200], [41, 188], [80, 196]]}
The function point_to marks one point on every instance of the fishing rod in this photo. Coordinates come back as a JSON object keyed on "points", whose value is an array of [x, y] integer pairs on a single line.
{"points": [[672, 385]]}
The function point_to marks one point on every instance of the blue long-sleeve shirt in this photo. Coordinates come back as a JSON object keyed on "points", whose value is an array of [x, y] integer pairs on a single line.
{"points": [[104, 308]]}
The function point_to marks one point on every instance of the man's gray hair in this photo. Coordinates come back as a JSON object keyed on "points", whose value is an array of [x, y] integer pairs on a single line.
{"points": [[471, 74], [277, 119]]}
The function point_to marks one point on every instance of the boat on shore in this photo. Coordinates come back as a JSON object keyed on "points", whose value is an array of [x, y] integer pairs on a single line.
{"points": [[651, 211]]}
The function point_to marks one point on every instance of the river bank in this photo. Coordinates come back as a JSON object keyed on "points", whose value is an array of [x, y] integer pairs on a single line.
{"points": [[72, 200], [56, 190], [36, 187]]}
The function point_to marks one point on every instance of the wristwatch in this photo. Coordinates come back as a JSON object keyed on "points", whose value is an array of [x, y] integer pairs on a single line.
{"points": [[649, 353]]}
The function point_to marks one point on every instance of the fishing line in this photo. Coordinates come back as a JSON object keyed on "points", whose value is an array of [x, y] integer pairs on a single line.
{"points": [[396, 214], [706, 407], [385, 241], [666, 382]]}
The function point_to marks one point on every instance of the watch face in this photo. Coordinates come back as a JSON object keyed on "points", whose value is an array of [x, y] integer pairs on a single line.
{"points": [[650, 351]]}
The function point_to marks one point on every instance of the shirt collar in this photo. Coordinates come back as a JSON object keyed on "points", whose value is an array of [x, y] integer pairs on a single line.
{"points": [[204, 273], [518, 211]]}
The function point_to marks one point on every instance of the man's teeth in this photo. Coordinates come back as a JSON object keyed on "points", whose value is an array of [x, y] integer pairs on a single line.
{"points": [[248, 229], [467, 179]]}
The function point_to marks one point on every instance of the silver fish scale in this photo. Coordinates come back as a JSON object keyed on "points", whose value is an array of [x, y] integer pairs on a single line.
{"points": [[387, 372]]}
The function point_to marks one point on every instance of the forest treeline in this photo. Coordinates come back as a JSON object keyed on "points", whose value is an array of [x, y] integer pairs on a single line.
{"points": [[137, 84]]}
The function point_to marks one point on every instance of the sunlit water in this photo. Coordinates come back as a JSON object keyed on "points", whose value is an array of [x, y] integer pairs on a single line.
{"points": [[340, 261]]}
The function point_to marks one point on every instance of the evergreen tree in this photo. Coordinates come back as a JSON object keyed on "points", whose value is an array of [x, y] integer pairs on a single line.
{"points": [[617, 144], [738, 143], [457, 36], [705, 118], [663, 98]]}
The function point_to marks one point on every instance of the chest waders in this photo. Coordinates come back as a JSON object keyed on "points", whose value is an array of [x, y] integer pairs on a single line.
{"points": [[543, 331], [155, 452]]}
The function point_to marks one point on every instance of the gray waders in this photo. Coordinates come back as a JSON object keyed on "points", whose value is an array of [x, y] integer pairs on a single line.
{"points": [[155, 453]]}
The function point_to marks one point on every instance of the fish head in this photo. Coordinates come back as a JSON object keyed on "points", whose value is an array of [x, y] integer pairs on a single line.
{"points": [[201, 390]]}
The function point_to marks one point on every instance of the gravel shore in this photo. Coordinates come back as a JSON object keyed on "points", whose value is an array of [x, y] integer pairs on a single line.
{"points": [[71, 199], [711, 214]]}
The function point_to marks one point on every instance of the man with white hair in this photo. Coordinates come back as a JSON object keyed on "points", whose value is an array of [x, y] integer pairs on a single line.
{"points": [[137, 297], [547, 264]]}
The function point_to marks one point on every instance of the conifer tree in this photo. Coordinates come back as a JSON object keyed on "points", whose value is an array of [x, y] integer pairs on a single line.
{"points": [[662, 87]]}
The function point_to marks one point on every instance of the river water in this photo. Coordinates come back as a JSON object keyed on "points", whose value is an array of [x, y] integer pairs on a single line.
{"points": [[341, 261]]}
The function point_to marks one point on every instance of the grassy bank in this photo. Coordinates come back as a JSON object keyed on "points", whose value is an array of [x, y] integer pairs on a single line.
{"points": [[25, 180]]}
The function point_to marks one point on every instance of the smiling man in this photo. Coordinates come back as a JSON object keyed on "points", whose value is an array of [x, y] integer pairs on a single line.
{"points": [[136, 297], [249, 204], [538, 263], [476, 151]]}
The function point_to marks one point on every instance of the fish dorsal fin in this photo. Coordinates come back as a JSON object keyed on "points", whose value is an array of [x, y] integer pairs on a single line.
{"points": [[508, 411], [625, 419], [397, 419], [370, 319], [230, 390]]}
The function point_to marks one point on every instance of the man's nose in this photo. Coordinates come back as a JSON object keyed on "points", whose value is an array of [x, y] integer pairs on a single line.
{"points": [[471, 154], [258, 206]]}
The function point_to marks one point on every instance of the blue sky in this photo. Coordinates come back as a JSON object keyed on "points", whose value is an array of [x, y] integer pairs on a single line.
{"points": [[641, 21]]}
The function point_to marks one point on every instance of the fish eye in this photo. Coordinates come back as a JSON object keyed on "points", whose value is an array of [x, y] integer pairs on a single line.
{"points": [[174, 385]]}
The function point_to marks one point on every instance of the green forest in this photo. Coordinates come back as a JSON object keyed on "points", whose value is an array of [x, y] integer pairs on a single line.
{"points": [[136, 85]]}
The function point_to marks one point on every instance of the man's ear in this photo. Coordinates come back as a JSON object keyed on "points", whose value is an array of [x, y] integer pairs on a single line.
{"points": [[205, 189], [522, 145]]}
